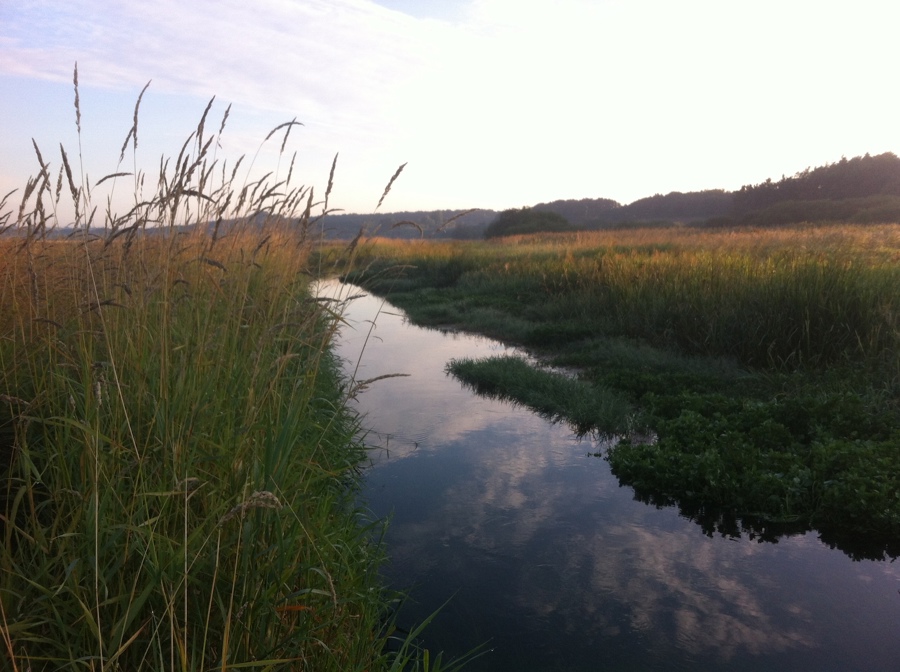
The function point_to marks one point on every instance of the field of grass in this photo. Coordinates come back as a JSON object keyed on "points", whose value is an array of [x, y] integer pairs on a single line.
{"points": [[179, 467], [766, 361]]}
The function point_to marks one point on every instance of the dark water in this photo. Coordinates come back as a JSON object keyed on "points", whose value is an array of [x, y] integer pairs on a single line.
{"points": [[547, 559]]}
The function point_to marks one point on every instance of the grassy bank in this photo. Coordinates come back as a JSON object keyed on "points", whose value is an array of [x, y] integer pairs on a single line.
{"points": [[766, 361], [180, 487], [179, 468]]}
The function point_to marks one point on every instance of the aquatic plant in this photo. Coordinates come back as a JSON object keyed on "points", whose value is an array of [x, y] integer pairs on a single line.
{"points": [[553, 394]]}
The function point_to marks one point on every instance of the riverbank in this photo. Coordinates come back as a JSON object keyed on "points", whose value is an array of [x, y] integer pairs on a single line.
{"points": [[765, 361], [179, 467], [544, 556], [180, 489]]}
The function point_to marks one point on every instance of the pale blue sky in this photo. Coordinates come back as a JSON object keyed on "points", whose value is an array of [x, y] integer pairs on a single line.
{"points": [[493, 103]]}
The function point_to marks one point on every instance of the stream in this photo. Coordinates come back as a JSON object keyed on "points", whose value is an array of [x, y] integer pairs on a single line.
{"points": [[540, 554]]}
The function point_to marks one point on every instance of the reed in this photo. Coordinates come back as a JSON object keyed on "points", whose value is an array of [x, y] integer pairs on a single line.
{"points": [[179, 465]]}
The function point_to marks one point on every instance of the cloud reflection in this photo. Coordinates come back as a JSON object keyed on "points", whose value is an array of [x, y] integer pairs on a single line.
{"points": [[538, 537], [602, 579]]}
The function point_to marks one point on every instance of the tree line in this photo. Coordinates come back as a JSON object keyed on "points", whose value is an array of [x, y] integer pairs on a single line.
{"points": [[864, 189]]}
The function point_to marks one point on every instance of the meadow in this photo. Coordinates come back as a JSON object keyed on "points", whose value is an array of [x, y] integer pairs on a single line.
{"points": [[179, 464], [764, 362]]}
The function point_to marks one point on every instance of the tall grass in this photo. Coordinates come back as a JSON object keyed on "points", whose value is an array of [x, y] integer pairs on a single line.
{"points": [[808, 296], [178, 462]]}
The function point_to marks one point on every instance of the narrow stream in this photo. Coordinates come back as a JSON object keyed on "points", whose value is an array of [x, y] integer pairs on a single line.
{"points": [[544, 557]]}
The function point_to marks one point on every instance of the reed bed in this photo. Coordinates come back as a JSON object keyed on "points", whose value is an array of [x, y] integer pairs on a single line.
{"points": [[179, 466], [808, 296]]}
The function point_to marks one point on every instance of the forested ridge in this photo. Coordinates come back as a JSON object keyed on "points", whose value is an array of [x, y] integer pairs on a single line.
{"points": [[859, 177], [863, 189]]}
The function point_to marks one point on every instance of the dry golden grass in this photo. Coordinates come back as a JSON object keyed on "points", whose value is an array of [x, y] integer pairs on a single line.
{"points": [[881, 240]]}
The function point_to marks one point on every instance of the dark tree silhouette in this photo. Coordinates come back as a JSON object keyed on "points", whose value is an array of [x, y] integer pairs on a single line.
{"points": [[526, 220]]}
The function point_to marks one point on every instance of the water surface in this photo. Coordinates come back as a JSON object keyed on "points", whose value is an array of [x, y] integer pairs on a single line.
{"points": [[544, 556]]}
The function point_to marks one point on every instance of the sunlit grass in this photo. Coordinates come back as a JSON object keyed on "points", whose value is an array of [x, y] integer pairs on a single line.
{"points": [[782, 298]]}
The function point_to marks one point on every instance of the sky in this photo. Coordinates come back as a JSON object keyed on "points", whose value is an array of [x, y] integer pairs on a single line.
{"points": [[489, 103]]}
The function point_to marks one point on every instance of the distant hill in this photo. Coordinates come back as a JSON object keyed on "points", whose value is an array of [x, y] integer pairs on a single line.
{"points": [[691, 207], [580, 212], [859, 177], [673, 207], [864, 189], [407, 224]]}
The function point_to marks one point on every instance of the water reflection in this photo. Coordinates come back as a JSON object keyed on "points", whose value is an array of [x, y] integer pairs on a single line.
{"points": [[546, 556]]}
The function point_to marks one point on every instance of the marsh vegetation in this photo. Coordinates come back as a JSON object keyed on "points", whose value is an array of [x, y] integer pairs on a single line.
{"points": [[765, 361]]}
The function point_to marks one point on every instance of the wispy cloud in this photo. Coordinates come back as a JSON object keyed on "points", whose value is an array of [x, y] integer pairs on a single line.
{"points": [[506, 103], [319, 55]]}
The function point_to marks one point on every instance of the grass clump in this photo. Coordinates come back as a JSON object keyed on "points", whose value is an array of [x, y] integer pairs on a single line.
{"points": [[178, 462], [555, 395]]}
